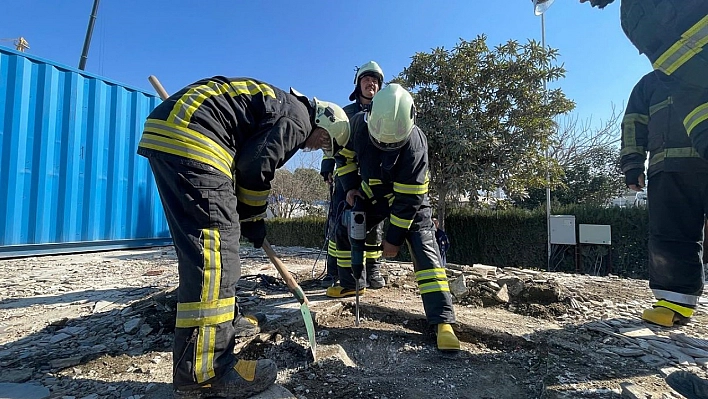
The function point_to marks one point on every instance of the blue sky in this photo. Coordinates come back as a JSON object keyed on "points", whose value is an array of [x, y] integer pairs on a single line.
{"points": [[315, 45]]}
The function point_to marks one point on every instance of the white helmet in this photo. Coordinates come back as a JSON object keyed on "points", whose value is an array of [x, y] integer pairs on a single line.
{"points": [[371, 68], [333, 119], [391, 118]]}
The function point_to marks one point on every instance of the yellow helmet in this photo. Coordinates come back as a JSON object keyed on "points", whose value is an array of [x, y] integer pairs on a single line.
{"points": [[391, 118], [371, 68], [333, 119]]}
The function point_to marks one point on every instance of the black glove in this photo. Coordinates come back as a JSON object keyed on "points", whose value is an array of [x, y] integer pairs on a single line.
{"points": [[255, 232], [600, 3], [632, 176]]}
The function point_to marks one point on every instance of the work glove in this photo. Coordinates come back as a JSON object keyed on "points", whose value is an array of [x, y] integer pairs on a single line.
{"points": [[598, 3], [254, 232], [631, 177]]}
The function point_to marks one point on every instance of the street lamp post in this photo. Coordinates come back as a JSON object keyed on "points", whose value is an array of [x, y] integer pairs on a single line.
{"points": [[539, 8]]}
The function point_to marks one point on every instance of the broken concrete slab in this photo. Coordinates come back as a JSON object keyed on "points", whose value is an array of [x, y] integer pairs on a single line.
{"points": [[23, 391]]}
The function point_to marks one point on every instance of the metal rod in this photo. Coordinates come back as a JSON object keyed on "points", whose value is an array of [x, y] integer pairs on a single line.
{"points": [[89, 32], [548, 166]]}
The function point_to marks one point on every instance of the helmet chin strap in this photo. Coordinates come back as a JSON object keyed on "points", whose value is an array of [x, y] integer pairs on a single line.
{"points": [[368, 98]]}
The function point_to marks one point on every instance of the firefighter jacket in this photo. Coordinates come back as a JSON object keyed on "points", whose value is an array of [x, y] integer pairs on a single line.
{"points": [[241, 127], [651, 125], [399, 178], [328, 163]]}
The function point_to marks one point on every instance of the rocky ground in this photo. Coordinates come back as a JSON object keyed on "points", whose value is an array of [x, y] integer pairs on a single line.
{"points": [[99, 325]]}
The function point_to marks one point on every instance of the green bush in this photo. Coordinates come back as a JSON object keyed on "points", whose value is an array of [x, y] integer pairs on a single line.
{"points": [[306, 232], [515, 237]]}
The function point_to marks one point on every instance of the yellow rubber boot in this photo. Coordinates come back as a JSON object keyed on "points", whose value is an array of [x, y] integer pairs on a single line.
{"points": [[447, 341], [665, 313], [340, 292]]}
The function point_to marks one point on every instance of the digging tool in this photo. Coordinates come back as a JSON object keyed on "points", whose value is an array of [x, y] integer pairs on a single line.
{"points": [[357, 237], [297, 293], [282, 270]]}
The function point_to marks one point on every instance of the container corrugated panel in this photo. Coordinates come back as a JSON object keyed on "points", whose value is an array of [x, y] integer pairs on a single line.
{"points": [[69, 174]]}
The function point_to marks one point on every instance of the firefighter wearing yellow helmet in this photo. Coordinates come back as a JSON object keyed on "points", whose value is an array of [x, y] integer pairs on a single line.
{"points": [[391, 154]]}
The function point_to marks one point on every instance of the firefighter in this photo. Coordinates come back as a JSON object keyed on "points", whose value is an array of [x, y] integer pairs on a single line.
{"points": [[391, 154], [673, 35], [213, 148], [368, 80], [678, 198]]}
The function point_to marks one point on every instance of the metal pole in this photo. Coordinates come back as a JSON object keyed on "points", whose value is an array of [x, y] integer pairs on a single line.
{"points": [[548, 166], [89, 32]]}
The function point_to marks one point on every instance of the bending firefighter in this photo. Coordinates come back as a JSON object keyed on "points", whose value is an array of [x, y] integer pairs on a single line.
{"points": [[368, 80], [673, 34], [678, 193], [213, 148], [391, 154]]}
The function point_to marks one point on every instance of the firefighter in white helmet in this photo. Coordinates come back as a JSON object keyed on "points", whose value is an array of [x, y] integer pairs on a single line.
{"points": [[367, 81], [213, 148], [391, 155]]}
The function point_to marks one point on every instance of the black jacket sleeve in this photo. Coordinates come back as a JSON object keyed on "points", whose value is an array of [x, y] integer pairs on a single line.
{"points": [[257, 162], [327, 166], [635, 131], [346, 158], [410, 186]]}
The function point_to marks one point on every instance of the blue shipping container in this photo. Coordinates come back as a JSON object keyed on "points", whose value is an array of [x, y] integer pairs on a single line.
{"points": [[70, 178]]}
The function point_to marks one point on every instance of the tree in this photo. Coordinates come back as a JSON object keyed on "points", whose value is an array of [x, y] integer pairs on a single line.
{"points": [[589, 159], [486, 115], [297, 193]]}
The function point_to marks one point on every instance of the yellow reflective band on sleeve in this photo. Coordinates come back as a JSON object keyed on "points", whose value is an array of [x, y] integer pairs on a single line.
{"points": [[373, 254], [209, 313], [658, 107], [251, 197], [188, 104], [400, 222], [636, 118], [347, 153], [204, 348], [416, 189], [254, 218], [696, 117], [632, 150], [434, 286], [690, 44], [682, 152], [628, 129], [367, 190], [431, 274], [327, 157], [212, 264], [343, 170], [375, 182], [390, 198]]}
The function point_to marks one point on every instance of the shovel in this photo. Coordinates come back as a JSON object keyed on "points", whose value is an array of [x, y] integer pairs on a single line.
{"points": [[284, 273], [297, 293]]}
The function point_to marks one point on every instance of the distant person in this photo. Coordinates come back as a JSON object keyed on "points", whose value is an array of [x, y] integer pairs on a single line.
{"points": [[213, 148], [442, 240], [678, 198]]}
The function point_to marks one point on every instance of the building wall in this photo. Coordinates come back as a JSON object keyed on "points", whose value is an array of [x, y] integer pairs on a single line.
{"points": [[69, 174]]}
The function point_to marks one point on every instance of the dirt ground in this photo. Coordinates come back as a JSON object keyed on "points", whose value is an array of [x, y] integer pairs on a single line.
{"points": [[550, 340]]}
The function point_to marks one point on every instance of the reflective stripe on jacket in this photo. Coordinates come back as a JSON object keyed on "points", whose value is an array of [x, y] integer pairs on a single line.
{"points": [[242, 127]]}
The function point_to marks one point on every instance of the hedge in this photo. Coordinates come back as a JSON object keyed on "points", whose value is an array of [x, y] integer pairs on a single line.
{"points": [[516, 237]]}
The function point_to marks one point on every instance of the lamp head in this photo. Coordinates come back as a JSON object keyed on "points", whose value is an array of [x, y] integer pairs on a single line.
{"points": [[540, 6]]}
